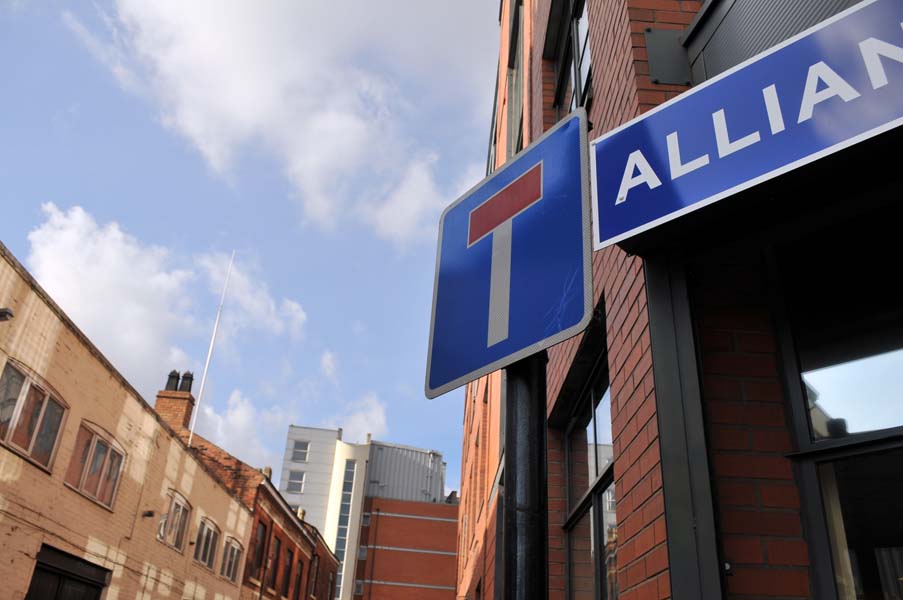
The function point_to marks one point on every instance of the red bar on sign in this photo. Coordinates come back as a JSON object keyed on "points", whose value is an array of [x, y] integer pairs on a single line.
{"points": [[520, 194]]}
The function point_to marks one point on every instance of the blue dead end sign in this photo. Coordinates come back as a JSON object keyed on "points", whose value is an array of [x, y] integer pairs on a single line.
{"points": [[513, 267]]}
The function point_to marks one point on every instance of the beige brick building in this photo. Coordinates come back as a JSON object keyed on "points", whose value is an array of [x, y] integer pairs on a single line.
{"points": [[98, 497]]}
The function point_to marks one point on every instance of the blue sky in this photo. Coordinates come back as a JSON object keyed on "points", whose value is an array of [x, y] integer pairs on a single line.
{"points": [[144, 141]]}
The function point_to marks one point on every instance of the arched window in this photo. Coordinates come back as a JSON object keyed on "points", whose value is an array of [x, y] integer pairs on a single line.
{"points": [[206, 542], [96, 464], [231, 559], [175, 521]]}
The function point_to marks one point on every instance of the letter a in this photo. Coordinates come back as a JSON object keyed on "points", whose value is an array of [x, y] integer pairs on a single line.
{"points": [[835, 86], [636, 161], [872, 50]]}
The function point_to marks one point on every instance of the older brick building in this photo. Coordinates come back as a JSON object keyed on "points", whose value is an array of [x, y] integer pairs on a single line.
{"points": [[102, 496], [729, 425], [98, 495], [287, 558]]}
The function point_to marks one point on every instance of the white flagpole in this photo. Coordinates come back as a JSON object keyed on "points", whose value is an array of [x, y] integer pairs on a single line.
{"points": [[219, 312]]}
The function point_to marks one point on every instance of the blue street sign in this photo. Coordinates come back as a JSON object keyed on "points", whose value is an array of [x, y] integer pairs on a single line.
{"points": [[513, 267], [828, 88]]}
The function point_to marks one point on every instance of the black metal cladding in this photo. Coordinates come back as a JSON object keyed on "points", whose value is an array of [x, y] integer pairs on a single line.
{"points": [[731, 31]]}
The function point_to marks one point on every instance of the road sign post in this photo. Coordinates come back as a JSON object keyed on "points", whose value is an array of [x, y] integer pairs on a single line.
{"points": [[526, 506], [513, 277]]}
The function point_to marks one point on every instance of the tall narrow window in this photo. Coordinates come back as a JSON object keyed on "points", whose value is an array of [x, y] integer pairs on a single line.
{"points": [[257, 555], [206, 542], [30, 418], [274, 566], [299, 580], [573, 60], [174, 522], [314, 573], [516, 81], [231, 559], [287, 571], [344, 514], [591, 525], [95, 465], [299, 451]]}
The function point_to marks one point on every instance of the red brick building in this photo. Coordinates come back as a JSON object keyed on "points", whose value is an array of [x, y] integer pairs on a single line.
{"points": [[407, 550], [729, 425], [286, 558]]}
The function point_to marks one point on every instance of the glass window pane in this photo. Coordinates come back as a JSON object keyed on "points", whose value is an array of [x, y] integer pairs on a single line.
{"points": [[581, 565], [862, 512], [581, 462], [79, 456], [50, 427], [92, 479], [609, 534], [111, 476], [602, 421], [856, 396], [28, 419], [10, 385]]}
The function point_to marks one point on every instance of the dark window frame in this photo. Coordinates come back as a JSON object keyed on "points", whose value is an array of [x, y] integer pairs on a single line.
{"points": [[810, 453], [593, 498], [568, 58]]}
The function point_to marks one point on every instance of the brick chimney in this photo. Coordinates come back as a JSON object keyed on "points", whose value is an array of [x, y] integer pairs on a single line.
{"points": [[175, 403]]}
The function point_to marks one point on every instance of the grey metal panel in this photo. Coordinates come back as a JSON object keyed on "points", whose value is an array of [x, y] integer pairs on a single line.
{"points": [[405, 473], [751, 26]]}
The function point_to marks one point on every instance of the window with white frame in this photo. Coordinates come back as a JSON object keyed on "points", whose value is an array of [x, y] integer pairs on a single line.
{"points": [[30, 418], [206, 542], [300, 450], [295, 482], [174, 523], [95, 465], [231, 559]]}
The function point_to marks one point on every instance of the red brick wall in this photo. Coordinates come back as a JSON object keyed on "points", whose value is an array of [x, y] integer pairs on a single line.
{"points": [[757, 500], [622, 90], [393, 535]]}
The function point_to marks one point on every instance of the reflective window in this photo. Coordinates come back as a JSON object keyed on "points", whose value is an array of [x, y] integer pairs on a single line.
{"points": [[206, 542], [95, 466], [856, 396], [30, 418], [862, 510], [174, 522], [274, 566], [592, 523], [573, 87], [231, 559]]}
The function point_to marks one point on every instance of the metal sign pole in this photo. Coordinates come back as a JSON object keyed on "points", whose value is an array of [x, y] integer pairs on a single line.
{"points": [[525, 498]]}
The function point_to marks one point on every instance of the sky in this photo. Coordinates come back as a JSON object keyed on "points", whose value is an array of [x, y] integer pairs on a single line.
{"points": [[144, 142]]}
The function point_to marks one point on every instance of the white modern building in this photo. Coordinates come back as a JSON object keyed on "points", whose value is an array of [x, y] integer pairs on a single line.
{"points": [[329, 478]]}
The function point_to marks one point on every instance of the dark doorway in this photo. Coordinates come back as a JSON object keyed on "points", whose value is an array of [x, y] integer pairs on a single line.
{"points": [[61, 576]]}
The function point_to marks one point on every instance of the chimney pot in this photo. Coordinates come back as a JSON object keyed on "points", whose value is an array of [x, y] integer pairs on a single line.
{"points": [[172, 382], [187, 380], [339, 434], [368, 438], [301, 513], [267, 472]]}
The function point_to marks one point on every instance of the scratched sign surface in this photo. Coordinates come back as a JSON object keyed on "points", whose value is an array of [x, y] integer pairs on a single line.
{"points": [[513, 267]]}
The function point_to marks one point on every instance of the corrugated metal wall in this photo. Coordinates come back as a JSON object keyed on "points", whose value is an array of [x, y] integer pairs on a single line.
{"points": [[405, 473], [739, 29]]}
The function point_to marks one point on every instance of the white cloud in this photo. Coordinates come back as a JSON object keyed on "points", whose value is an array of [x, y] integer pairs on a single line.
{"points": [[134, 300], [338, 100], [368, 415], [249, 304], [328, 364], [242, 429], [127, 296]]}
